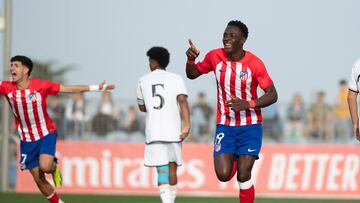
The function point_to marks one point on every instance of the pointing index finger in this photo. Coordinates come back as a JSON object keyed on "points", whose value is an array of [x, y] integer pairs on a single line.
{"points": [[193, 47]]}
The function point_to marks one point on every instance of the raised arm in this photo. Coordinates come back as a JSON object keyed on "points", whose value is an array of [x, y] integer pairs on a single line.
{"points": [[192, 53], [352, 103], [84, 88], [185, 116]]}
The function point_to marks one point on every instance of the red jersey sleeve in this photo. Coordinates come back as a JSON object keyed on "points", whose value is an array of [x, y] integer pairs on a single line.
{"points": [[1, 88], [205, 66], [52, 88], [5, 87], [261, 74]]}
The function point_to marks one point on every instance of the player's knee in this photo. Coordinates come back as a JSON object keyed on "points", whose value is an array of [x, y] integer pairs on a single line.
{"points": [[46, 167], [223, 178], [243, 177], [223, 175], [163, 174]]}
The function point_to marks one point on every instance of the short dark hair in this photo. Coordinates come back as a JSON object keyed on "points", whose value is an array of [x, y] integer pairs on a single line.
{"points": [[342, 82], [24, 61], [243, 28], [159, 54]]}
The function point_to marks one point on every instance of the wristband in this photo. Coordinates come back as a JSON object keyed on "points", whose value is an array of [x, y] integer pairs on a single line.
{"points": [[94, 88], [251, 104], [191, 62]]}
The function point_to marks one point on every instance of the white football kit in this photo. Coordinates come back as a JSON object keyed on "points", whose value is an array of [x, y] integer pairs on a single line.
{"points": [[355, 77], [158, 91]]}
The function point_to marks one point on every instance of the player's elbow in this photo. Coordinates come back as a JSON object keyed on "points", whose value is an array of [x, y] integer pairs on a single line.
{"points": [[191, 76], [192, 72], [275, 98], [273, 95]]}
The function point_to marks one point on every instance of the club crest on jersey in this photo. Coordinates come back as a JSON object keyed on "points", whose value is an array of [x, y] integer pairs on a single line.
{"points": [[243, 75], [33, 97], [218, 147], [22, 166]]}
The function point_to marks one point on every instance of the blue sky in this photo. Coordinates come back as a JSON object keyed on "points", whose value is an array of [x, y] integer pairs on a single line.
{"points": [[306, 45]]}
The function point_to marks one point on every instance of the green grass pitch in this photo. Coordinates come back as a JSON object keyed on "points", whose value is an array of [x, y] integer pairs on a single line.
{"points": [[37, 198]]}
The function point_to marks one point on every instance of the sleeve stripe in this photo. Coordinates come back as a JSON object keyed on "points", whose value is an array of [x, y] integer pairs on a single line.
{"points": [[353, 90]]}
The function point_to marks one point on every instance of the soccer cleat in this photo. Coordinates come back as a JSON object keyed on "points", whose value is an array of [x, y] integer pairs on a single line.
{"points": [[57, 177]]}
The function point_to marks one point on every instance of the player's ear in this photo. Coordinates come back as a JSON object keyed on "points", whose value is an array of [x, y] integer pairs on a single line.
{"points": [[243, 40], [26, 70]]}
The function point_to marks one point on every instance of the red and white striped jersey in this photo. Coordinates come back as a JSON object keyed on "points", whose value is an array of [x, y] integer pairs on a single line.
{"points": [[240, 79], [29, 107]]}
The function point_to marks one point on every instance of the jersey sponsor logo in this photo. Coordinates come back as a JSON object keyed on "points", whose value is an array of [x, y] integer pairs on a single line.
{"points": [[222, 69], [243, 75]]}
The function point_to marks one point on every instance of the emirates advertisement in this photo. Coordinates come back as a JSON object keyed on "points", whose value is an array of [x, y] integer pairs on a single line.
{"points": [[281, 171]]}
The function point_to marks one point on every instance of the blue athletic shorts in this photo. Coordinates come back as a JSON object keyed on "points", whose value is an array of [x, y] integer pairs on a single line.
{"points": [[238, 140], [30, 151]]}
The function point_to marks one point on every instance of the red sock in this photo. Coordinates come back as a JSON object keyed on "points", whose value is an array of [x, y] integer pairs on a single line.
{"points": [[247, 195], [54, 198], [234, 169]]}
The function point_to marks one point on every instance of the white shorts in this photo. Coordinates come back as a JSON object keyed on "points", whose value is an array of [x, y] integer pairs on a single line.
{"points": [[159, 154]]}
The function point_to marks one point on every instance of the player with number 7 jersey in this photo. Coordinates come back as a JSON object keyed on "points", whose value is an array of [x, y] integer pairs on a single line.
{"points": [[163, 96], [27, 99]]}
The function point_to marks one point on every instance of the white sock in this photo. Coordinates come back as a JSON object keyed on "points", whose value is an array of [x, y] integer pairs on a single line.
{"points": [[245, 185], [173, 191], [165, 193]]}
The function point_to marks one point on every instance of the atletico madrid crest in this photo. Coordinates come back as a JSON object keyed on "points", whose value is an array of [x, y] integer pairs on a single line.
{"points": [[243, 75], [33, 97], [218, 147]]}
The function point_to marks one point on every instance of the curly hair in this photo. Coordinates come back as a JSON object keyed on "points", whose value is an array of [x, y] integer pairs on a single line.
{"points": [[243, 28], [159, 54]]}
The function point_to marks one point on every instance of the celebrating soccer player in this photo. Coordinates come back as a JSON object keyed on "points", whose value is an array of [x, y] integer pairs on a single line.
{"points": [[161, 94], [238, 136], [27, 98]]}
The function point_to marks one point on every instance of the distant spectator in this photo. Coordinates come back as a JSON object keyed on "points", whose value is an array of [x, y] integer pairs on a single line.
{"points": [[107, 116], [202, 114], [108, 107], [295, 118], [57, 113], [342, 123], [132, 123], [76, 115], [272, 128], [319, 120]]}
